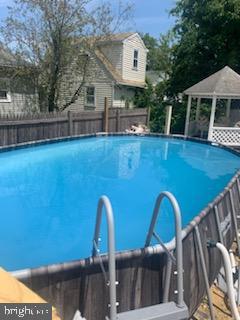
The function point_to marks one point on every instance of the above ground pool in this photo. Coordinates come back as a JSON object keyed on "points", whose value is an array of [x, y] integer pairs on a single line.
{"points": [[49, 193]]}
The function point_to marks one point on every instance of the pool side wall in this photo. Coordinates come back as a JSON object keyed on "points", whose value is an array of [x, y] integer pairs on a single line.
{"points": [[80, 284]]}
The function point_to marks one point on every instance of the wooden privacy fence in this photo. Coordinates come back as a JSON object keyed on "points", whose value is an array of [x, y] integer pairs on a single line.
{"points": [[23, 128]]}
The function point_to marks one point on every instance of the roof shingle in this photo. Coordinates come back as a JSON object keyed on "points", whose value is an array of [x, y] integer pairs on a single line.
{"points": [[225, 83]]}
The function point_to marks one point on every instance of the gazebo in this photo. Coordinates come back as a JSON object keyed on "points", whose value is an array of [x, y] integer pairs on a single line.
{"points": [[224, 84]]}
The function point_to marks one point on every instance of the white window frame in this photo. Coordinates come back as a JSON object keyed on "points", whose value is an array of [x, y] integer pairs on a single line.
{"points": [[6, 89], [135, 59], [90, 105]]}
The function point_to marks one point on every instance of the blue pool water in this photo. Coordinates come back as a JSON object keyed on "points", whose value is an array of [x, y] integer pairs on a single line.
{"points": [[49, 193]]}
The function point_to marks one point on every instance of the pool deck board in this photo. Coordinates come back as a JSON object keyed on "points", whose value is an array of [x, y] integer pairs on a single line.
{"points": [[220, 302]]}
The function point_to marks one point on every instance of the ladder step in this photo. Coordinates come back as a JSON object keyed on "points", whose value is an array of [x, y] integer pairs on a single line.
{"points": [[164, 311]]}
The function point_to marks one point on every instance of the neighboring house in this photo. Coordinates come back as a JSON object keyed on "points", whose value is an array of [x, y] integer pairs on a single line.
{"points": [[116, 69], [17, 93]]}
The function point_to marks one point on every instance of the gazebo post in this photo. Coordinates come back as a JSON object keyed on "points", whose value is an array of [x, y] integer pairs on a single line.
{"points": [[198, 108], [188, 115], [228, 108], [212, 117]]}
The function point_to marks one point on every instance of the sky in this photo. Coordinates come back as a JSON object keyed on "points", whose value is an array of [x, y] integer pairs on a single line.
{"points": [[150, 16]]}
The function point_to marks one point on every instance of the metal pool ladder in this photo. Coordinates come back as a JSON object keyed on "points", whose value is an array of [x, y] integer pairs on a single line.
{"points": [[163, 311]]}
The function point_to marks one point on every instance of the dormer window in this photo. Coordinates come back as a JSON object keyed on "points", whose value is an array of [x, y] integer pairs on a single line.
{"points": [[135, 59]]}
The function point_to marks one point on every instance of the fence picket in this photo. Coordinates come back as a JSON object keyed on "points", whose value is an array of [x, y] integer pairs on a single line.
{"points": [[30, 127]]}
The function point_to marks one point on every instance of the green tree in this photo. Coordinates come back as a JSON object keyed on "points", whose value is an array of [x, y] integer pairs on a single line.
{"points": [[152, 45], [159, 61], [165, 55], [145, 98], [208, 38], [153, 99], [159, 56]]}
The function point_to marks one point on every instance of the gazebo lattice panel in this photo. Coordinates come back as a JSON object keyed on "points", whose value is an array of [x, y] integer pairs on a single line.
{"points": [[227, 136]]}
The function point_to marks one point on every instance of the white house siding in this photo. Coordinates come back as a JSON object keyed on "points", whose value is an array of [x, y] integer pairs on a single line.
{"points": [[23, 97], [20, 103], [97, 77], [102, 90], [121, 94], [114, 53], [131, 44]]}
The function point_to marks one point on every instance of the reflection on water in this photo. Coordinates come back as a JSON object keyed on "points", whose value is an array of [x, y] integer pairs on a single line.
{"points": [[49, 194], [128, 160], [207, 160]]}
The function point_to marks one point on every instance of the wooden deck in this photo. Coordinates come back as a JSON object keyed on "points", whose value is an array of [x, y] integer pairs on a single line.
{"points": [[220, 303]]}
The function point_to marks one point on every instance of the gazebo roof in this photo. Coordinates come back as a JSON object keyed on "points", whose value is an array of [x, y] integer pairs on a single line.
{"points": [[224, 83]]}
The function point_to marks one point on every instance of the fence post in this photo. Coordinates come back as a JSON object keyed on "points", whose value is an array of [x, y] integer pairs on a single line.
{"points": [[148, 116], [168, 119], [70, 123], [118, 120], [105, 115]]}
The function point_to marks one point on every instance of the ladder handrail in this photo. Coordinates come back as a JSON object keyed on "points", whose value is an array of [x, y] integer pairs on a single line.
{"points": [[105, 202], [178, 234]]}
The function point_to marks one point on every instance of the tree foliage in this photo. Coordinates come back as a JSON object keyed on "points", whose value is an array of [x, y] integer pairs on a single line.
{"points": [[205, 38], [159, 61], [52, 34], [153, 98], [208, 38], [152, 45], [159, 56]]}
